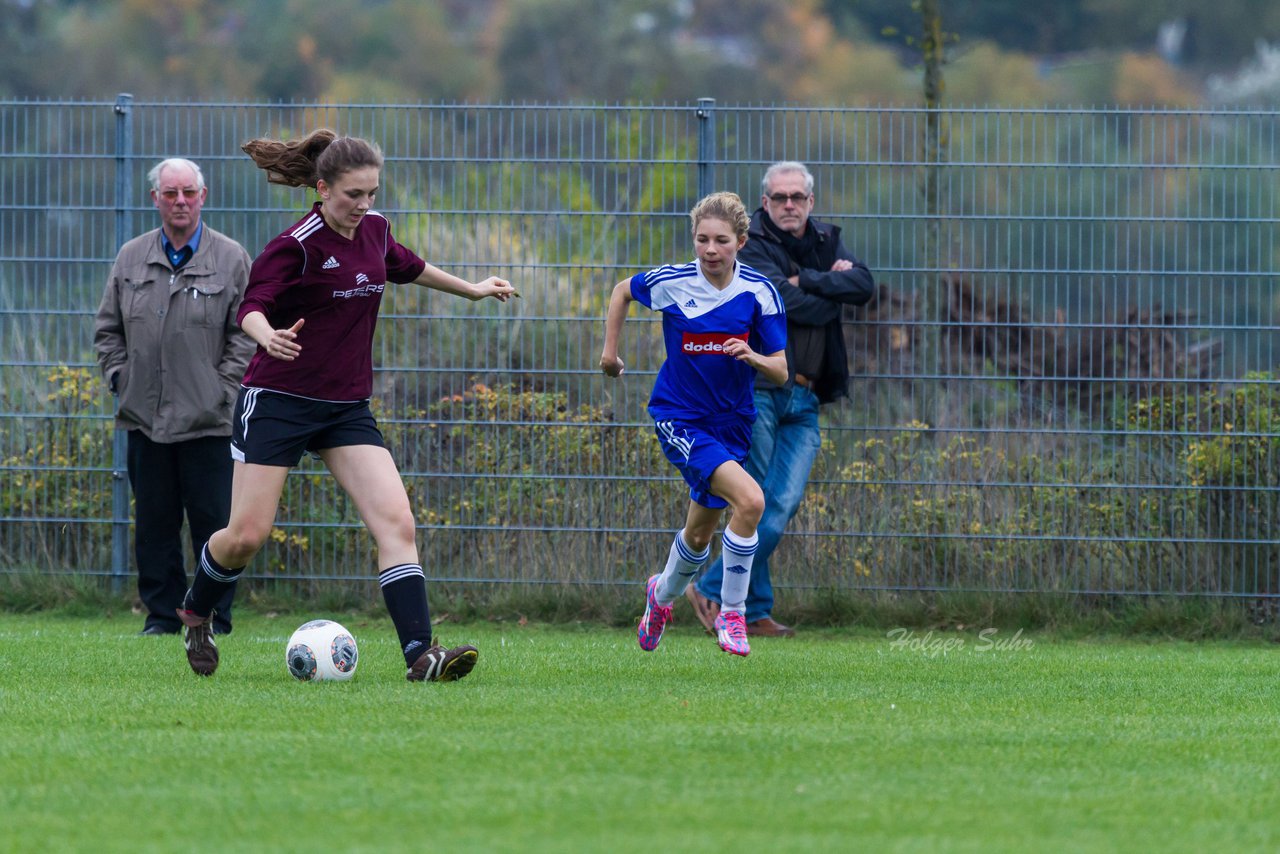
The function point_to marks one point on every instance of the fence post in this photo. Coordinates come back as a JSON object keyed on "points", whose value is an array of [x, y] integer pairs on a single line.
{"points": [[120, 440], [706, 147]]}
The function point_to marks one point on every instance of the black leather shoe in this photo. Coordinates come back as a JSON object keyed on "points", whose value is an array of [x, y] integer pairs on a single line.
{"points": [[157, 630]]}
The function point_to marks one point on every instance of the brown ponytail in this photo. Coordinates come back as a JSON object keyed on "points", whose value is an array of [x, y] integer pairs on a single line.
{"points": [[322, 155]]}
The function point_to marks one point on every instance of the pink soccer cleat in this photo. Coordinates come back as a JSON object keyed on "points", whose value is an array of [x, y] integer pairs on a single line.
{"points": [[731, 632], [655, 618]]}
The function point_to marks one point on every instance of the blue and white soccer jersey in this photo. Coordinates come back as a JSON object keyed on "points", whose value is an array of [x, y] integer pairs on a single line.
{"points": [[702, 402]]}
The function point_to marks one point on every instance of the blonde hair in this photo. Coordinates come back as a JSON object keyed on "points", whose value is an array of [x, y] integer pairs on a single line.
{"points": [[726, 207], [321, 155]]}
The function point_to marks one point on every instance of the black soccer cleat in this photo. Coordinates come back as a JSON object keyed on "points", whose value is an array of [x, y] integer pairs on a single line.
{"points": [[202, 651], [438, 664]]}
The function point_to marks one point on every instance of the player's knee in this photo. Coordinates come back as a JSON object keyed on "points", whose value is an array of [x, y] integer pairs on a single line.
{"points": [[242, 542], [400, 527], [697, 540], [750, 506]]}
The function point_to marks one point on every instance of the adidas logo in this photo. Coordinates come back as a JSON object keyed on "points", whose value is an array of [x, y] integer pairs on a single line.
{"points": [[331, 264], [691, 304]]}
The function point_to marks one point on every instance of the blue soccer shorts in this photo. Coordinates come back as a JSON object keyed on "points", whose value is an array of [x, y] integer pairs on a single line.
{"points": [[697, 449]]}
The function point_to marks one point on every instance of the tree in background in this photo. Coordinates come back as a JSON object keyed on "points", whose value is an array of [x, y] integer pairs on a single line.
{"points": [[792, 52], [933, 293], [733, 50], [27, 41], [392, 51], [577, 50], [398, 50], [812, 52], [1033, 26], [1216, 36]]}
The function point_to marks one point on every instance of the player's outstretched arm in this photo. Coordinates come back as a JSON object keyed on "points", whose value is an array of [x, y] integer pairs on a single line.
{"points": [[436, 279], [619, 302]]}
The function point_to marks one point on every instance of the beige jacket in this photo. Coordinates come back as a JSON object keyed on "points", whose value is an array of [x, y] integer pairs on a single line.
{"points": [[170, 339]]}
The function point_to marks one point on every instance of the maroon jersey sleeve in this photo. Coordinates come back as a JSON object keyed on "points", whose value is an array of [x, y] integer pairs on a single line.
{"points": [[403, 266], [281, 266]]}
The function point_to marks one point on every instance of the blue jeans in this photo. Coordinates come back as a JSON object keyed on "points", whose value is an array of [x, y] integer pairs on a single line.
{"points": [[784, 443]]}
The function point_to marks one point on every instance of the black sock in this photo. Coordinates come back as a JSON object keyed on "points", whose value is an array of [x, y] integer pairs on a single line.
{"points": [[404, 588], [212, 580]]}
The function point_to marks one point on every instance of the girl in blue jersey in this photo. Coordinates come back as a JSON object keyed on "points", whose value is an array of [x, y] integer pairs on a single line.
{"points": [[721, 323], [312, 305]]}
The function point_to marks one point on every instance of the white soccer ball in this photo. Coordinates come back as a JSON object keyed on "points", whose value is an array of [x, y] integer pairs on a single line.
{"points": [[321, 649]]}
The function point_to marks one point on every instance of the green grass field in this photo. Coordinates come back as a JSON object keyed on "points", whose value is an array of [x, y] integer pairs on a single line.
{"points": [[572, 739]]}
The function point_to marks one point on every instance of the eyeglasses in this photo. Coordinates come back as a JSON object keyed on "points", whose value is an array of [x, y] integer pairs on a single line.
{"points": [[172, 195], [794, 198]]}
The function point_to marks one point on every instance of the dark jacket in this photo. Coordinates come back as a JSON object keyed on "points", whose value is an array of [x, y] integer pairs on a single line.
{"points": [[820, 296]]}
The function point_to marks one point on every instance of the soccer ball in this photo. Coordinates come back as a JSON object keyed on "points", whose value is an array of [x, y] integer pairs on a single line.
{"points": [[321, 649]]}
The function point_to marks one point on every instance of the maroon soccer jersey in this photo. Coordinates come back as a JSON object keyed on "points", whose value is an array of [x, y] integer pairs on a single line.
{"points": [[335, 285]]}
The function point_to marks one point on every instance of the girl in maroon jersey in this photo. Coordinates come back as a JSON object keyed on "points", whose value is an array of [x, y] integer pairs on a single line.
{"points": [[312, 304]]}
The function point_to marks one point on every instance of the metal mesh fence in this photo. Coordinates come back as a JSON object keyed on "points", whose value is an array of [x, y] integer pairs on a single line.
{"points": [[1066, 381]]}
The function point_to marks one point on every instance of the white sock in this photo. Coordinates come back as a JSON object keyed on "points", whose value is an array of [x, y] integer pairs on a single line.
{"points": [[683, 564], [738, 554]]}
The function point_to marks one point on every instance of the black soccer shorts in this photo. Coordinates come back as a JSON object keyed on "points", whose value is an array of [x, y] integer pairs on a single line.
{"points": [[271, 428]]}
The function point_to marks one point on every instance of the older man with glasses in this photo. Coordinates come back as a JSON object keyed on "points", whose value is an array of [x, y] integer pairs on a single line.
{"points": [[816, 277], [172, 353]]}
